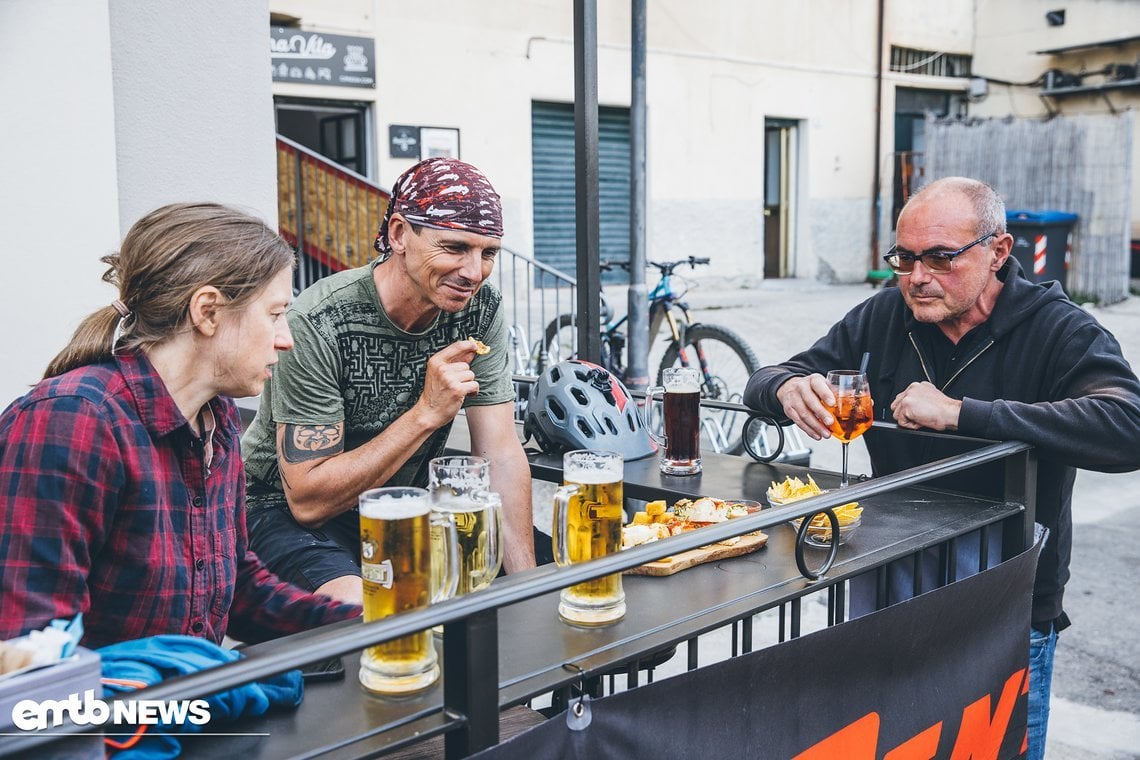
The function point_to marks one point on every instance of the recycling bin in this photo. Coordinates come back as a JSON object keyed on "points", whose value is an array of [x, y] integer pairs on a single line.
{"points": [[1041, 243]]}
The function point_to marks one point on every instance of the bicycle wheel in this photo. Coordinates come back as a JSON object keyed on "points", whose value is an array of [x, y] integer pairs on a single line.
{"points": [[560, 339], [726, 363]]}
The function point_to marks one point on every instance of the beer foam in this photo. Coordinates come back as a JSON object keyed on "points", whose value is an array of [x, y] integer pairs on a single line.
{"points": [[590, 476], [683, 388], [393, 508]]}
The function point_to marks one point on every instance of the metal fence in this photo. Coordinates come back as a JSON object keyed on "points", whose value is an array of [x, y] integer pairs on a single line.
{"points": [[1080, 164]]}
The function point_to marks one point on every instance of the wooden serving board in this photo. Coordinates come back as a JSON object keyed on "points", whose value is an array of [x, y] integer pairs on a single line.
{"points": [[711, 553]]}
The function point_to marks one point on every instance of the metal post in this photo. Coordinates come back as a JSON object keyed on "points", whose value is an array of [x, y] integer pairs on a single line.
{"points": [[586, 178], [637, 364], [471, 682], [1020, 488]]}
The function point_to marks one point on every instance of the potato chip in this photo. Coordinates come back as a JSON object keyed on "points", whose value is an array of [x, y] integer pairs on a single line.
{"points": [[480, 347]]}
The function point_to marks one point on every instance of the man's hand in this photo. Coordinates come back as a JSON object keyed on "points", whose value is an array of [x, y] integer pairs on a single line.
{"points": [[804, 400], [921, 405], [447, 382]]}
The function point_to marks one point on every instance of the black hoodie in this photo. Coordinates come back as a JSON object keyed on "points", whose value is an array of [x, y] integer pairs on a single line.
{"points": [[1041, 370]]}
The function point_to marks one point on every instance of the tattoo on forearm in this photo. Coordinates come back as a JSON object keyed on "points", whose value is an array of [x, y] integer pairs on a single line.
{"points": [[306, 442]]}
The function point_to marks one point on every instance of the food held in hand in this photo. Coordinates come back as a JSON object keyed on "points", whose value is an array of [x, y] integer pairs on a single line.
{"points": [[481, 348]]}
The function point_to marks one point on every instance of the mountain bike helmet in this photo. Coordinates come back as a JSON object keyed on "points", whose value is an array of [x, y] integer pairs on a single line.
{"points": [[579, 405]]}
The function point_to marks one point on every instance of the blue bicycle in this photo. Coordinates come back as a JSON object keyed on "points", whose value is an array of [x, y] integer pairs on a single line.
{"points": [[726, 361]]}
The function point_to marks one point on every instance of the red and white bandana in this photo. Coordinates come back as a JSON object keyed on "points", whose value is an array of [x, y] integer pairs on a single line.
{"points": [[444, 194]]}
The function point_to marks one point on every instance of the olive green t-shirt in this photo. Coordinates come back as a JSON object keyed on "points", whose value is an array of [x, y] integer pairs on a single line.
{"points": [[350, 363]]}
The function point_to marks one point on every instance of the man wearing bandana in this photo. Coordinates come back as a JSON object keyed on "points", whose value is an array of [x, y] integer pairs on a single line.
{"points": [[384, 358]]}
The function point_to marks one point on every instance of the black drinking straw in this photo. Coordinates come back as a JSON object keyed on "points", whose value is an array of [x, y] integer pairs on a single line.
{"points": [[863, 364]]}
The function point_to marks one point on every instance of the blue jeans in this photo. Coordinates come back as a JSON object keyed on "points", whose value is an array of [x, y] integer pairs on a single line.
{"points": [[1041, 649]]}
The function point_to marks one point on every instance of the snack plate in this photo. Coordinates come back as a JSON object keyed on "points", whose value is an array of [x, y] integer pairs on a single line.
{"points": [[745, 544]]}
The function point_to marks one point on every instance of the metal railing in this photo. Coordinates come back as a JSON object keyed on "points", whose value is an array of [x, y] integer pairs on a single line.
{"points": [[328, 213], [534, 294]]}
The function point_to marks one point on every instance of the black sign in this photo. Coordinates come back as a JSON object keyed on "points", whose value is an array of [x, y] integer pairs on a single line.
{"points": [[329, 59], [403, 141], [943, 675]]}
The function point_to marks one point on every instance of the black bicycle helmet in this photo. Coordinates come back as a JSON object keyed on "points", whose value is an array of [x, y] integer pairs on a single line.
{"points": [[579, 405]]}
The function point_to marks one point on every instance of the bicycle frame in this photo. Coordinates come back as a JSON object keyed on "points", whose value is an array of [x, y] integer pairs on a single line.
{"points": [[664, 300]]}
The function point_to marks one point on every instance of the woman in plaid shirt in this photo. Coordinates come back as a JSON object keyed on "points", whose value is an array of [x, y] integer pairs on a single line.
{"points": [[121, 483]]}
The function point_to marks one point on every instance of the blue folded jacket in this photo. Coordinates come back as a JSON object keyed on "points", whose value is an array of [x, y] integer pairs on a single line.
{"points": [[156, 658]]}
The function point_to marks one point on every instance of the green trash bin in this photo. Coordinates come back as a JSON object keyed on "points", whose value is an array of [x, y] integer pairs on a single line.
{"points": [[1041, 243]]}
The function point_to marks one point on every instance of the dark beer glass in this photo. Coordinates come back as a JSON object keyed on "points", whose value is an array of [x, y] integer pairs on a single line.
{"points": [[681, 402]]}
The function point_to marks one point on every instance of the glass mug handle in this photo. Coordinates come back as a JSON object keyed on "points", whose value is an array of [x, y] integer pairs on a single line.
{"points": [[494, 508], [562, 496], [661, 440], [450, 574]]}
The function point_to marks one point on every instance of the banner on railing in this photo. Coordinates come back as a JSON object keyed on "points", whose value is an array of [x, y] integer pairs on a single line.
{"points": [[941, 675]]}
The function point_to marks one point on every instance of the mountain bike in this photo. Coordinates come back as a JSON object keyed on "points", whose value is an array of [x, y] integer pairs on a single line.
{"points": [[725, 359]]}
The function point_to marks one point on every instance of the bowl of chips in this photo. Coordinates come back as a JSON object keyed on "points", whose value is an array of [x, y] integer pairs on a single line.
{"points": [[819, 529], [792, 489]]}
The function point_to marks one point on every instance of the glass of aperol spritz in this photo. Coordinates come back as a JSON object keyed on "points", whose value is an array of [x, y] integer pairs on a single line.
{"points": [[852, 413]]}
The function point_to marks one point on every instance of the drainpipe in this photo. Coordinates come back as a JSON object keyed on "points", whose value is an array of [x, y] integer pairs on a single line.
{"points": [[637, 348], [876, 199]]}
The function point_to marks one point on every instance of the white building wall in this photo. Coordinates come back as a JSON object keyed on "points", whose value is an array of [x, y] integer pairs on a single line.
{"points": [[713, 76], [112, 108], [59, 194], [193, 105], [1010, 33]]}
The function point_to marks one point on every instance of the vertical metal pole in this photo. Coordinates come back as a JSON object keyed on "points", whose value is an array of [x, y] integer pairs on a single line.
{"points": [[876, 179], [471, 682], [637, 365], [1020, 488], [586, 177], [303, 280]]}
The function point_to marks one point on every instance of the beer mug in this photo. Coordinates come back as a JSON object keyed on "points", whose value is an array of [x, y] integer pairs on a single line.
{"points": [[587, 525], [396, 568], [459, 490], [681, 392]]}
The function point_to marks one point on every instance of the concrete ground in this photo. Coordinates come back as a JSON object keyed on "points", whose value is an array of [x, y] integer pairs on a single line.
{"points": [[1096, 683]]}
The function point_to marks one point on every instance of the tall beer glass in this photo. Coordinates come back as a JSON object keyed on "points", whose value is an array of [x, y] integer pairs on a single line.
{"points": [[396, 567], [587, 525], [681, 392], [459, 490]]}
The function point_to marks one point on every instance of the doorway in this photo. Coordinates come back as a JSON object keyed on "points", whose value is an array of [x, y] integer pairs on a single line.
{"points": [[338, 130], [780, 137]]}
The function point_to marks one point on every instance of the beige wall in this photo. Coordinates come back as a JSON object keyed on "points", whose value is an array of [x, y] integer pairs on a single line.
{"points": [[59, 196], [112, 108], [712, 78]]}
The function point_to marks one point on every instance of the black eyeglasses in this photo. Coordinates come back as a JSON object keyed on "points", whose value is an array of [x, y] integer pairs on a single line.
{"points": [[902, 262]]}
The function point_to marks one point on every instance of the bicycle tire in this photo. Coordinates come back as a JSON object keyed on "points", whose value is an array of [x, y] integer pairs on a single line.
{"points": [[731, 361], [552, 340], [559, 345]]}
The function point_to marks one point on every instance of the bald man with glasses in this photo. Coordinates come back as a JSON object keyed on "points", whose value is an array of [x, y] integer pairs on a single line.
{"points": [[966, 343]]}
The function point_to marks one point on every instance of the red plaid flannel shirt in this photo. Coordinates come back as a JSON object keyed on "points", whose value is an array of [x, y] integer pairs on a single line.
{"points": [[107, 508]]}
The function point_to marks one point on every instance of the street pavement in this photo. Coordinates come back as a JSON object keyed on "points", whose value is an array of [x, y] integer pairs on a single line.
{"points": [[1096, 682]]}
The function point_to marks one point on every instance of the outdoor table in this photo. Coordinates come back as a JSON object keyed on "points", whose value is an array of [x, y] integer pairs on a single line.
{"points": [[341, 719]]}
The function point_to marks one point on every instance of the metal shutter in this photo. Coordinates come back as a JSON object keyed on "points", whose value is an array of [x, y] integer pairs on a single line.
{"points": [[552, 140]]}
